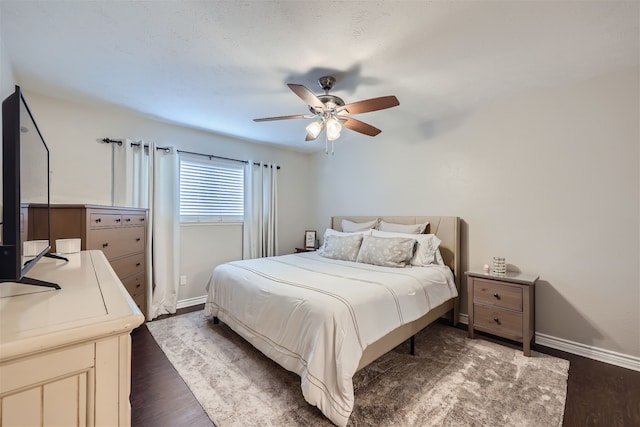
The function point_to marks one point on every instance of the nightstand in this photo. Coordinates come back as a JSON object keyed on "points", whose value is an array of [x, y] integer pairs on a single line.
{"points": [[298, 250], [502, 305]]}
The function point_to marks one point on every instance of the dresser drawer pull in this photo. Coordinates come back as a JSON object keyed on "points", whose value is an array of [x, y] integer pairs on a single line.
{"points": [[137, 239], [128, 220], [99, 220], [138, 285], [137, 264], [496, 296], [495, 319], [142, 219], [104, 245], [118, 220]]}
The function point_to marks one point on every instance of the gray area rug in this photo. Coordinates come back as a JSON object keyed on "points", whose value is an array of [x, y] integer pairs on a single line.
{"points": [[451, 381]]}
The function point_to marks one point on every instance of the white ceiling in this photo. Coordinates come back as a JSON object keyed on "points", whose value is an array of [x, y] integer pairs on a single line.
{"points": [[216, 65]]}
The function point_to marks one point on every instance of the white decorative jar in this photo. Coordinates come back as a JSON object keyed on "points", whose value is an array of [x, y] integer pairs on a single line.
{"points": [[499, 265]]}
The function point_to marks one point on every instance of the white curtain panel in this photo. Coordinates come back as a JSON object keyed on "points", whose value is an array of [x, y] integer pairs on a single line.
{"points": [[130, 174], [164, 200], [148, 178], [260, 238]]}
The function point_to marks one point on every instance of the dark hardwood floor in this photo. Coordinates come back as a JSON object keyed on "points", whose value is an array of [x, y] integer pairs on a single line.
{"points": [[598, 394], [159, 396]]}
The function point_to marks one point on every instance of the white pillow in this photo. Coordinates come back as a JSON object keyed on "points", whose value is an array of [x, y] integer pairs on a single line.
{"points": [[350, 226], [439, 259], [331, 232], [387, 252], [402, 228], [426, 248], [345, 248]]}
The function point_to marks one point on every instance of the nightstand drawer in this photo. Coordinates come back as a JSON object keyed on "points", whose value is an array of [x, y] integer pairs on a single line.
{"points": [[498, 295], [501, 322]]}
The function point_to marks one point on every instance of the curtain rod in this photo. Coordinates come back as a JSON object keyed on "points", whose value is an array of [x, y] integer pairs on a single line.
{"points": [[210, 156], [133, 144]]}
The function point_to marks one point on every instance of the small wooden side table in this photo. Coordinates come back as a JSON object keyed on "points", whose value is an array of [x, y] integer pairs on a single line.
{"points": [[502, 305]]}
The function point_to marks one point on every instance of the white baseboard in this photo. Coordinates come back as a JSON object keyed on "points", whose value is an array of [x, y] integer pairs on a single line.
{"points": [[595, 353], [191, 301], [590, 352]]}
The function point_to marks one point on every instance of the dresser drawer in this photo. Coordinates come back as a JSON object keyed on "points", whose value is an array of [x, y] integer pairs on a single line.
{"points": [[495, 320], [125, 267], [141, 303], [133, 219], [498, 295], [135, 285], [101, 220], [117, 242]]}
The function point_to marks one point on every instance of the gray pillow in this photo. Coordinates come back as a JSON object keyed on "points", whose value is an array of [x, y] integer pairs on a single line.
{"points": [[344, 248], [387, 252]]}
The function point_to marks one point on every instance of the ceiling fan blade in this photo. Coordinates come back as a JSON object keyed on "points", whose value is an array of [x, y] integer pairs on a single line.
{"points": [[307, 96], [359, 126], [297, 116], [373, 104]]}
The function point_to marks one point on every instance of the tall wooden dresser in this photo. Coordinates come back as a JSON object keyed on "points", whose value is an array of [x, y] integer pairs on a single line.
{"points": [[118, 232]]}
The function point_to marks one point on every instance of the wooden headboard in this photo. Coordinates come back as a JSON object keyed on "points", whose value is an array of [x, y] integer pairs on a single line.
{"points": [[447, 228]]}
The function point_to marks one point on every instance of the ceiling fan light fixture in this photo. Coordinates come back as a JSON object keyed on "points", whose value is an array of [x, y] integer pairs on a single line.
{"points": [[314, 129], [333, 137], [333, 129]]}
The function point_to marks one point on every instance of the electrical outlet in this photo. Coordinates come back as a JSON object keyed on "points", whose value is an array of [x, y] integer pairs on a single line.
{"points": [[183, 280]]}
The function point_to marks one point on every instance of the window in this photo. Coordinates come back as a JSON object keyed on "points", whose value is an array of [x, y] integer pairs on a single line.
{"points": [[211, 190]]}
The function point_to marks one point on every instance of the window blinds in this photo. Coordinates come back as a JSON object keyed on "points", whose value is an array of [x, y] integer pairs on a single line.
{"points": [[211, 191]]}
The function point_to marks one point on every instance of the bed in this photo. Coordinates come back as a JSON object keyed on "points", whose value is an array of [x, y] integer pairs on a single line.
{"points": [[325, 319]]}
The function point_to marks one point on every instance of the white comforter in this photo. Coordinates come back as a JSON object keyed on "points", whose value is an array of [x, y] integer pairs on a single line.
{"points": [[315, 316]]}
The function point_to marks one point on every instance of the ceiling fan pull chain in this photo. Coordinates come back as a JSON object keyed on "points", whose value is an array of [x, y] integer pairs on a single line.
{"points": [[332, 148], [326, 144]]}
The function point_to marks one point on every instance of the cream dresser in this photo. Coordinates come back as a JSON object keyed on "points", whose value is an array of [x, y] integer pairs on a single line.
{"points": [[65, 355], [118, 232]]}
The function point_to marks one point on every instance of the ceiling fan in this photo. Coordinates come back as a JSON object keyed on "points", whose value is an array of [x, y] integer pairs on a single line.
{"points": [[332, 112]]}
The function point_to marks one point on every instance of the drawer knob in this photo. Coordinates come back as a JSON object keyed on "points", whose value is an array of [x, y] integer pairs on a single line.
{"points": [[99, 220], [128, 220], [142, 219], [104, 245], [137, 239], [137, 264], [118, 220], [138, 285], [495, 319], [496, 296]]}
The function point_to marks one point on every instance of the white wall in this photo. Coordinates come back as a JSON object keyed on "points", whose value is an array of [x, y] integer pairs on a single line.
{"points": [[7, 79], [81, 173], [549, 180]]}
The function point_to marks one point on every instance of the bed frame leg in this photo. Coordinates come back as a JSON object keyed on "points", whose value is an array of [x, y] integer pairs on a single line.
{"points": [[412, 343], [216, 320]]}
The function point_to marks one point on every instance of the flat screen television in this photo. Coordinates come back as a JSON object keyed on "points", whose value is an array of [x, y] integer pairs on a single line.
{"points": [[25, 180]]}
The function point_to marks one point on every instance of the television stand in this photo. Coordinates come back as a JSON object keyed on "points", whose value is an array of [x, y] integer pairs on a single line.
{"points": [[35, 282], [56, 257]]}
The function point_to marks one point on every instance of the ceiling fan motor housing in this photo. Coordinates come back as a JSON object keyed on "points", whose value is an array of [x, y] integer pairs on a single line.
{"points": [[330, 102]]}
